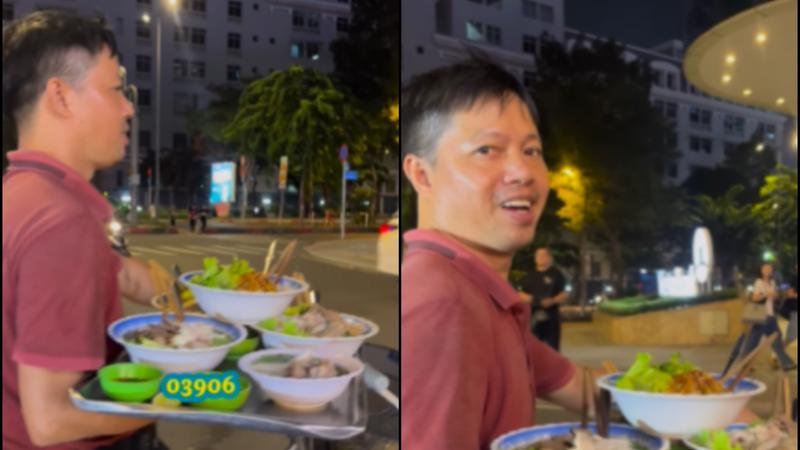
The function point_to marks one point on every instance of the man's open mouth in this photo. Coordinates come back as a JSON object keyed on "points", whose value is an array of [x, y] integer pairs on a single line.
{"points": [[517, 205]]}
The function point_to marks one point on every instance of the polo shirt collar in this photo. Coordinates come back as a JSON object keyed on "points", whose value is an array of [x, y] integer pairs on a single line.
{"points": [[36, 161], [466, 262]]}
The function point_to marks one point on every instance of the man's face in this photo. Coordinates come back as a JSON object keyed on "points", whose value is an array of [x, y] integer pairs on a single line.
{"points": [[489, 183], [102, 112], [543, 258]]}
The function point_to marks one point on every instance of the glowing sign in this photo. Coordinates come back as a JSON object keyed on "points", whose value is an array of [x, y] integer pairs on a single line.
{"points": [[697, 277], [702, 254], [223, 182]]}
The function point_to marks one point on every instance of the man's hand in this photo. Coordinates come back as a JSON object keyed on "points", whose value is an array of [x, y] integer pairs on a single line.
{"points": [[51, 418], [525, 298], [136, 281], [547, 302]]}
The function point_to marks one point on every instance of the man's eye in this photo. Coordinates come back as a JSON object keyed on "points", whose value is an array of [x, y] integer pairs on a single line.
{"points": [[534, 151], [484, 150]]}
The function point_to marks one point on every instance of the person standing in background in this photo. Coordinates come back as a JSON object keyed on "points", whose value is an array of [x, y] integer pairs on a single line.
{"points": [[545, 287]]}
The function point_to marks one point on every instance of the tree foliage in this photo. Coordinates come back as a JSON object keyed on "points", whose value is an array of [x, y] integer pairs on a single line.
{"points": [[597, 118], [776, 212], [299, 113]]}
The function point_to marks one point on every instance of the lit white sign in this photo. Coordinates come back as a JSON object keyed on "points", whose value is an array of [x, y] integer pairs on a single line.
{"points": [[702, 254], [680, 283]]}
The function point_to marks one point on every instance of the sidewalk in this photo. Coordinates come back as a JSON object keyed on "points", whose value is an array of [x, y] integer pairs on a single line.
{"points": [[353, 253], [250, 226]]}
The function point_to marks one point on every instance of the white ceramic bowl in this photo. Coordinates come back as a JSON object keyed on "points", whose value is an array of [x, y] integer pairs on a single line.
{"points": [[526, 436], [301, 394], [175, 360], [679, 416], [241, 306], [322, 346], [735, 427]]}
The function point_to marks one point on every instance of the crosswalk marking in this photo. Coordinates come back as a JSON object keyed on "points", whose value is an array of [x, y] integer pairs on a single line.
{"points": [[140, 250], [250, 250], [231, 249], [181, 250], [212, 249]]}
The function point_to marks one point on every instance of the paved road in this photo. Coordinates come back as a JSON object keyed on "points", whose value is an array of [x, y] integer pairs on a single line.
{"points": [[357, 291]]}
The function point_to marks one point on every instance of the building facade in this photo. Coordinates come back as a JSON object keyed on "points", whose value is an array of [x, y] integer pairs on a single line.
{"points": [[204, 42], [705, 128]]}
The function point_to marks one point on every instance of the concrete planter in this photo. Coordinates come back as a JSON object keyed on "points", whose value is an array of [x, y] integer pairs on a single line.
{"points": [[709, 323]]}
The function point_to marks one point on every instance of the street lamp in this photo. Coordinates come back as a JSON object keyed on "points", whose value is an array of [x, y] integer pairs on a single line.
{"points": [[172, 6]]}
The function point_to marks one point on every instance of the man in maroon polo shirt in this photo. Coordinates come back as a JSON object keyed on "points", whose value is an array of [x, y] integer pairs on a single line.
{"points": [[61, 280], [471, 368]]}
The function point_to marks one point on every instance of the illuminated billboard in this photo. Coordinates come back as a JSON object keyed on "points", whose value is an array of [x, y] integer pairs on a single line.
{"points": [[223, 182]]}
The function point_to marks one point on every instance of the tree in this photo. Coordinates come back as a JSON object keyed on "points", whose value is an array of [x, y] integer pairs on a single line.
{"points": [[367, 58], [752, 160], [776, 212], [597, 117], [380, 148], [713, 182], [299, 113], [367, 65]]}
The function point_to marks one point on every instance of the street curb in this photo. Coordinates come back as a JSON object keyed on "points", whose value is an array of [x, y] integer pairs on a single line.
{"points": [[260, 230], [314, 251], [152, 231]]}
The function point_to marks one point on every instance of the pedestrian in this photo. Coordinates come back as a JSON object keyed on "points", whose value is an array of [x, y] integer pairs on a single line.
{"points": [[172, 217], [546, 286], [788, 311], [763, 322], [203, 219], [62, 282], [192, 218]]}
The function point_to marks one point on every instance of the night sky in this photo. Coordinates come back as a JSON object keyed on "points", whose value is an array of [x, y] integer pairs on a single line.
{"points": [[644, 23]]}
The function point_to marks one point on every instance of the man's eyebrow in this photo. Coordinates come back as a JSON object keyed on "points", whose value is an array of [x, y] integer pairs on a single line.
{"points": [[499, 134]]}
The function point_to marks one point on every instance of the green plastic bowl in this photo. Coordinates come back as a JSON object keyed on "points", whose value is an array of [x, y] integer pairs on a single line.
{"points": [[130, 382], [229, 405], [244, 347]]}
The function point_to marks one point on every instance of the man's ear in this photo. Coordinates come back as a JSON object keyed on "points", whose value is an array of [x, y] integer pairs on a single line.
{"points": [[55, 98], [418, 172]]}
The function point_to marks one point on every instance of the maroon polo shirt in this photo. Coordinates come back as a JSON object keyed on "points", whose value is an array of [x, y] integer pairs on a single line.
{"points": [[59, 280], [471, 367]]}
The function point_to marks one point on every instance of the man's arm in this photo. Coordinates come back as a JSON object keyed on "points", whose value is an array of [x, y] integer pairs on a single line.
{"points": [[570, 396], [135, 281], [557, 300], [49, 415]]}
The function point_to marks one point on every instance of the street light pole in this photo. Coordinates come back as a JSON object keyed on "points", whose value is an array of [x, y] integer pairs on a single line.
{"points": [[158, 110], [134, 178]]}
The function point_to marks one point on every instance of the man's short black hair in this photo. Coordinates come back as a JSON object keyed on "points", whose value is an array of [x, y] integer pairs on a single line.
{"points": [[41, 46], [429, 100]]}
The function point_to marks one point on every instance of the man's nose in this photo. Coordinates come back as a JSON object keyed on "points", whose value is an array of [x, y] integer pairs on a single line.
{"points": [[129, 110], [519, 168]]}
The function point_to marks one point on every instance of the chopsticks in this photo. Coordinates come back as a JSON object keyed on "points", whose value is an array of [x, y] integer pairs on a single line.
{"points": [[599, 402], [782, 406], [587, 396], [744, 365], [166, 291], [610, 367], [268, 259], [283, 261]]}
